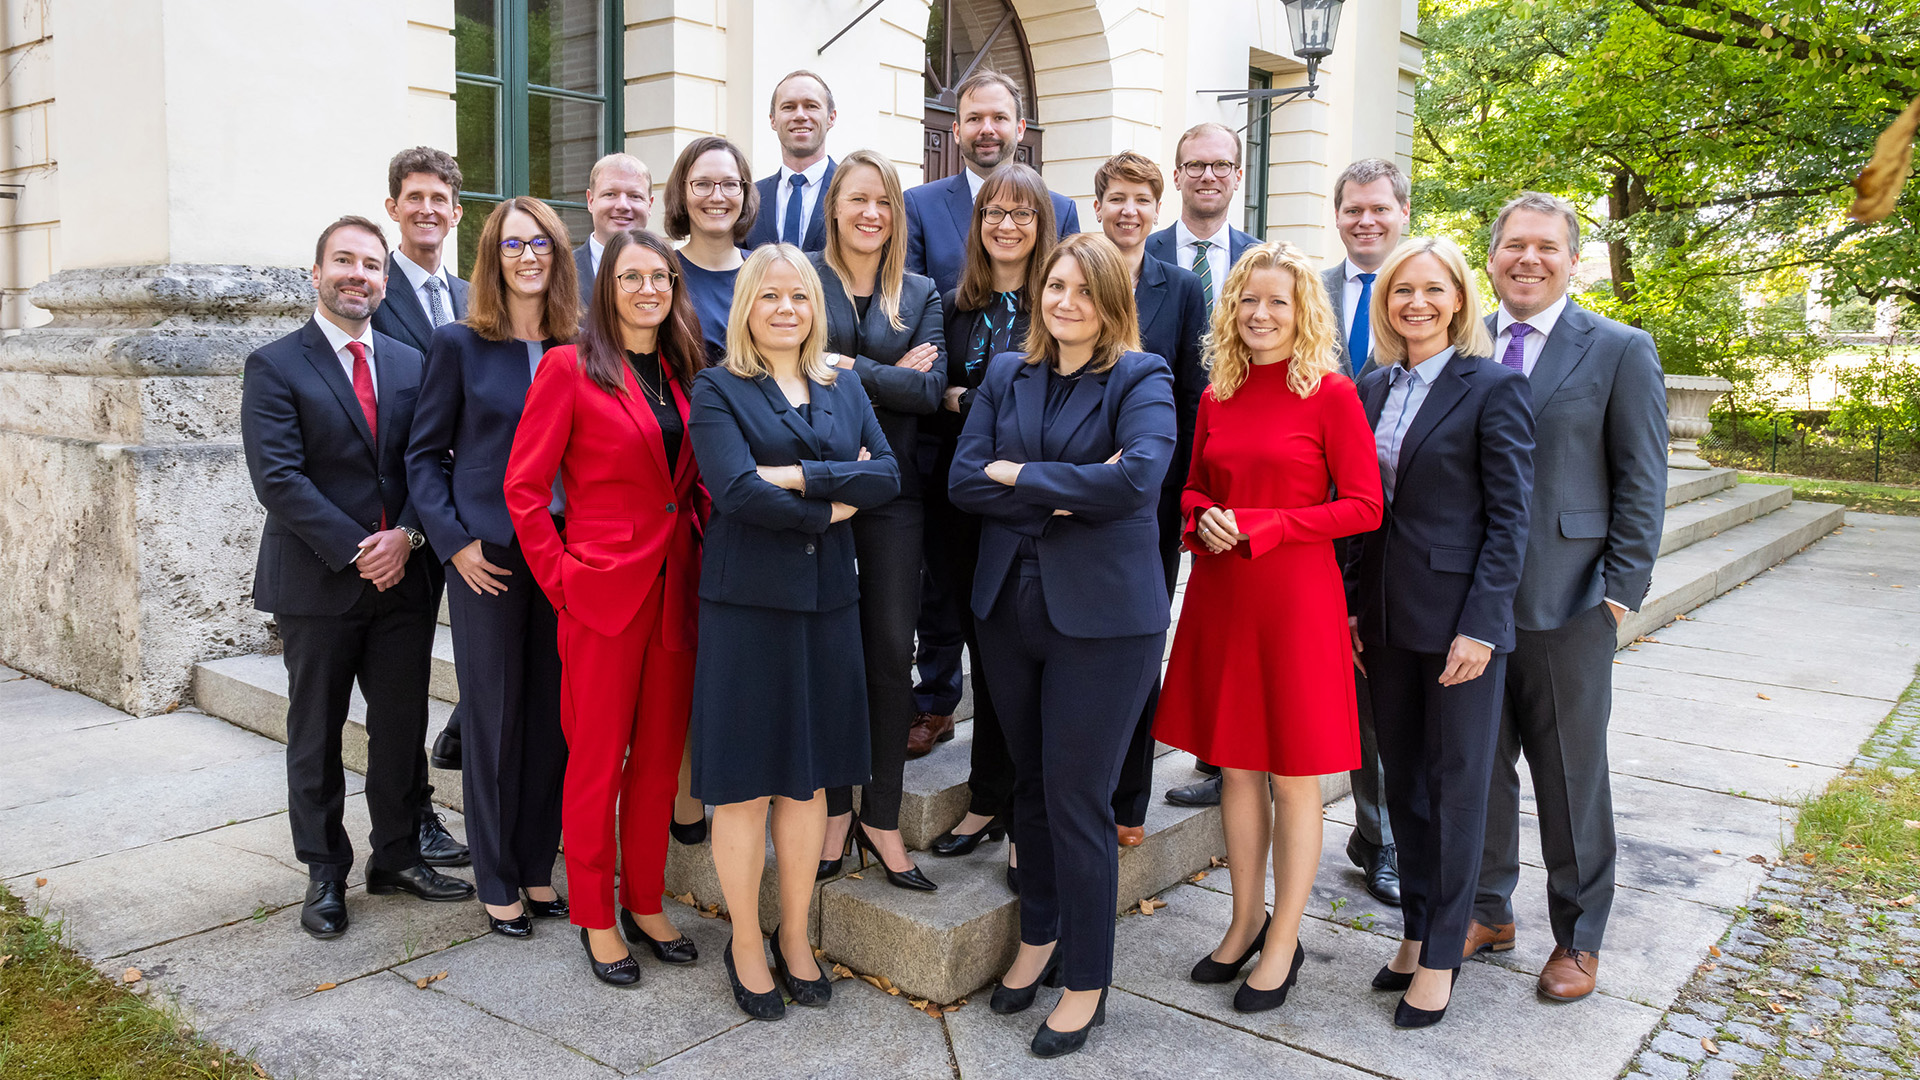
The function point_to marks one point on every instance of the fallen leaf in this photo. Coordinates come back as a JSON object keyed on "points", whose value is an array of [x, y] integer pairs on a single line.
{"points": [[260, 1070], [1709, 1046], [421, 982], [1709, 967], [931, 1010], [856, 876], [708, 914], [1776, 1008], [872, 981], [1761, 859], [1914, 981], [818, 953], [130, 976], [918, 1003], [1807, 857], [1713, 950], [1217, 861], [39, 883], [885, 983], [842, 971], [1791, 765], [1201, 876], [687, 899], [1905, 901], [1716, 851], [949, 1008], [1148, 905], [1817, 1032], [1788, 994], [1763, 697], [1896, 586], [324, 987]]}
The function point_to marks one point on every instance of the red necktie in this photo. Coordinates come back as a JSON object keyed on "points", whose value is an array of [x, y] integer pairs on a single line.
{"points": [[363, 389]]}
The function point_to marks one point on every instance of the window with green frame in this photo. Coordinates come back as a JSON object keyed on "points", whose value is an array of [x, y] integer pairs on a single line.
{"points": [[536, 103], [1258, 156]]}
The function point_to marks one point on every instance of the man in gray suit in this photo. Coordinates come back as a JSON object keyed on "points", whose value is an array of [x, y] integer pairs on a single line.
{"points": [[1599, 499]]}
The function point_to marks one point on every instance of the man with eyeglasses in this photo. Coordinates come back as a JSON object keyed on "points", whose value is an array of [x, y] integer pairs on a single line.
{"points": [[1206, 173], [620, 197], [801, 113], [987, 128]]}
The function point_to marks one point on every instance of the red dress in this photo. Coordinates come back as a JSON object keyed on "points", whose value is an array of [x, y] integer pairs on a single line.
{"points": [[1261, 675]]}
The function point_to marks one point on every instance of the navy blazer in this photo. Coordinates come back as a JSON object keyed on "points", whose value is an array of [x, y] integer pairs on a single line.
{"points": [[938, 215], [959, 327], [767, 546], [400, 315], [1446, 559], [766, 224], [1173, 321], [1163, 246], [900, 396], [470, 402], [1100, 564], [317, 469]]}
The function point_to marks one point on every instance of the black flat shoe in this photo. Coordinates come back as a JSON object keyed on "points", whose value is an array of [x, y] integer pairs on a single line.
{"points": [[1048, 1043], [1248, 999], [324, 914], [680, 950], [1388, 979], [422, 881], [813, 993], [689, 835], [1209, 970], [1406, 1016], [1012, 999], [1013, 880], [767, 1006], [622, 972], [555, 908], [953, 843], [910, 878], [437, 845], [519, 927]]}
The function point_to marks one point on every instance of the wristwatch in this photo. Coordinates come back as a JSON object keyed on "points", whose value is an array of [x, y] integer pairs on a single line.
{"points": [[415, 538]]}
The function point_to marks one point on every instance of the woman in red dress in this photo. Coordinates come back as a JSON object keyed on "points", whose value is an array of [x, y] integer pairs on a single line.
{"points": [[1261, 677]]}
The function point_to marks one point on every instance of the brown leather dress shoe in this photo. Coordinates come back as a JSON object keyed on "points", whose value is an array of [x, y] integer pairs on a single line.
{"points": [[1132, 835], [927, 730], [1484, 938], [1569, 974]]}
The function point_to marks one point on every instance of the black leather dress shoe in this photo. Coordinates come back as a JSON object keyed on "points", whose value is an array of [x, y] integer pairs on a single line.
{"points": [[622, 972], [324, 915], [1380, 865], [1204, 793], [555, 908], [437, 845], [422, 881], [953, 843], [680, 950], [517, 928], [446, 749]]}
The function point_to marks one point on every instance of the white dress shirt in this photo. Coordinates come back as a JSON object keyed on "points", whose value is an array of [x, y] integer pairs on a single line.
{"points": [[1219, 252], [809, 195], [594, 248], [339, 338], [1533, 344], [974, 183], [1350, 299], [417, 278]]}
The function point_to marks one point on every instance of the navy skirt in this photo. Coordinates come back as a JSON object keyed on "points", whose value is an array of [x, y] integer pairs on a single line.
{"points": [[779, 703]]}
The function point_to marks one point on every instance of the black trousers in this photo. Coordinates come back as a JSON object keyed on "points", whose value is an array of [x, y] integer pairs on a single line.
{"points": [[1558, 704], [1067, 706], [886, 542], [1135, 790], [1370, 818], [1437, 744], [422, 785], [385, 643], [508, 663]]}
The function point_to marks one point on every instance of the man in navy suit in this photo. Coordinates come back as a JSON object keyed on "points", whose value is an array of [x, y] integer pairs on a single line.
{"points": [[800, 114], [422, 294], [987, 127], [620, 197], [1206, 173], [324, 417], [1372, 202]]}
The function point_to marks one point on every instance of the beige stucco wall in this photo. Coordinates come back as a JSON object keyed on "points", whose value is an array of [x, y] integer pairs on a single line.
{"points": [[30, 224]]}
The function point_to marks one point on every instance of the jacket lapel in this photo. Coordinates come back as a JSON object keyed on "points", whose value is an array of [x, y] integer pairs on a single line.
{"points": [[641, 414], [327, 364], [1374, 399], [685, 463], [458, 288], [406, 304], [1029, 407], [1447, 391], [790, 416], [1565, 348], [816, 238], [1149, 292], [960, 202]]}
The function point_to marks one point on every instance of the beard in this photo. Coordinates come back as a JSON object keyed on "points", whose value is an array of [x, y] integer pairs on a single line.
{"points": [[348, 307]]}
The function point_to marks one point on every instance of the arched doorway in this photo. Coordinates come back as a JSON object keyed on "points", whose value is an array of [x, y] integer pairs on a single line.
{"points": [[963, 36]]}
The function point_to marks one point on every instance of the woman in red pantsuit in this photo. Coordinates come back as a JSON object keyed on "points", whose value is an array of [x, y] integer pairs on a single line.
{"points": [[609, 415], [1261, 677]]}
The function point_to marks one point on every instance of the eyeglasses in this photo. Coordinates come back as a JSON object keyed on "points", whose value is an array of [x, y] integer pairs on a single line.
{"points": [[703, 188], [540, 245], [661, 280], [994, 215], [1198, 169]]}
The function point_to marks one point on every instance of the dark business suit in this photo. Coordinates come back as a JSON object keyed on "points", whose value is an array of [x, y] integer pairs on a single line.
{"points": [[1073, 619], [1165, 246], [327, 484], [766, 226], [504, 646], [1445, 562], [1600, 416], [888, 537], [583, 269], [938, 216]]}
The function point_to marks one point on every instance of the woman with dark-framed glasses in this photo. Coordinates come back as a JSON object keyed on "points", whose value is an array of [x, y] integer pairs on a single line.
{"points": [[711, 204]]}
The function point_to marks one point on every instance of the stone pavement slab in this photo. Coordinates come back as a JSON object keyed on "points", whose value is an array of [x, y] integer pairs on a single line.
{"points": [[1766, 728], [120, 756], [1782, 669], [1708, 768], [863, 1033]]}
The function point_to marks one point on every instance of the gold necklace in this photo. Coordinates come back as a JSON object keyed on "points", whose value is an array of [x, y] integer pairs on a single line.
{"points": [[658, 396]]}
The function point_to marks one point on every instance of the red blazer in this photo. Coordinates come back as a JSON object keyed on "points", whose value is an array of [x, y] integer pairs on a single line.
{"points": [[627, 514]]}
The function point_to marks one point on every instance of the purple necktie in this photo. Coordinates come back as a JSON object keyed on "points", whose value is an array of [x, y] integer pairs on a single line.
{"points": [[1516, 357]]}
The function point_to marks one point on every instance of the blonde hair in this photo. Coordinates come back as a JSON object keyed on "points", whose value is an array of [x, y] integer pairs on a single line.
{"points": [[743, 357], [1468, 331], [893, 257], [1111, 284], [1315, 354]]}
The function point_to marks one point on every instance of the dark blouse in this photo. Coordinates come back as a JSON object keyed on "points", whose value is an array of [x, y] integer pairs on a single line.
{"points": [[992, 334], [861, 304], [712, 294], [1059, 389], [653, 387]]}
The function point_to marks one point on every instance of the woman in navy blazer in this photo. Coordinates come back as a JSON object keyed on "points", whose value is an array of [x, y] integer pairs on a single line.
{"points": [[504, 652], [1063, 456], [883, 324], [790, 449], [1431, 594]]}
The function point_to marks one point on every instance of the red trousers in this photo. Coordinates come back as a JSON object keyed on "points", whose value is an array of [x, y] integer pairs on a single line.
{"points": [[624, 710]]}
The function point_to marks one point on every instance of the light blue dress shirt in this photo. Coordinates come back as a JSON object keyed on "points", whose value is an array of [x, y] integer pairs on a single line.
{"points": [[1406, 393]]}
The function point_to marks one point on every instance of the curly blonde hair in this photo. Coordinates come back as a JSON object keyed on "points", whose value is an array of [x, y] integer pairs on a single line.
{"points": [[1315, 353]]}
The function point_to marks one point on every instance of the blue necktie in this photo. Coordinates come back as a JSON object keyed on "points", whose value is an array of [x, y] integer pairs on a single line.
{"points": [[790, 228], [1362, 332]]}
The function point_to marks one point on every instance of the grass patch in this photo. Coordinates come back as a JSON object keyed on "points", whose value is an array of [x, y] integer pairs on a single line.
{"points": [[60, 1020], [1864, 830], [1853, 494]]}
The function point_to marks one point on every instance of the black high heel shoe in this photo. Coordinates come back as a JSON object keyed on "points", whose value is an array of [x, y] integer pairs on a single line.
{"points": [[1388, 979], [1248, 999], [518, 928], [691, 834], [555, 908], [1406, 1016], [1048, 1043], [813, 993], [1209, 970], [767, 1006], [1012, 999], [680, 950], [622, 972], [832, 868], [910, 878], [953, 843]]}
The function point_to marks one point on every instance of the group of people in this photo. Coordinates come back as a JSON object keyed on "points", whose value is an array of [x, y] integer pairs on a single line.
{"points": [[701, 512]]}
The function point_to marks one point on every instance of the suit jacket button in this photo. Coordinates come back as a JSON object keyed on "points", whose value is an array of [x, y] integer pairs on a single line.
{"points": [[669, 508], [809, 549]]}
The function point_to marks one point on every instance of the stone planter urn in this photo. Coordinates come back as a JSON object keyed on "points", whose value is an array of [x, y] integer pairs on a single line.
{"points": [[1688, 398]]}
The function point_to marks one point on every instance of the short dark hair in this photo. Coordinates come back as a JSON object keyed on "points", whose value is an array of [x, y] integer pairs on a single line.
{"points": [[679, 219], [989, 77], [773, 101], [1203, 128], [348, 221], [1366, 171], [423, 159]]}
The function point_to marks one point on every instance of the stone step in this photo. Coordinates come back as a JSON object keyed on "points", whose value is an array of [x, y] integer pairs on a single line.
{"points": [[1693, 575], [1700, 519], [1685, 485]]}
